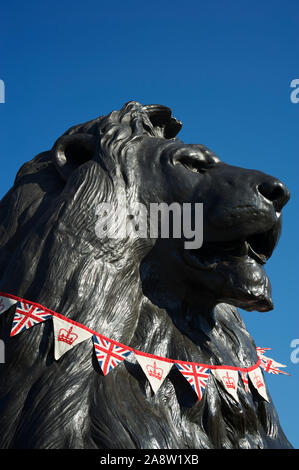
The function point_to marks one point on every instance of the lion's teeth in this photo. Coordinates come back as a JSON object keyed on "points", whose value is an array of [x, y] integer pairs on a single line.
{"points": [[259, 257], [244, 249]]}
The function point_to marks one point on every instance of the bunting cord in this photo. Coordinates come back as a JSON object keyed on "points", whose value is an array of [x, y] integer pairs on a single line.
{"points": [[140, 353], [110, 353]]}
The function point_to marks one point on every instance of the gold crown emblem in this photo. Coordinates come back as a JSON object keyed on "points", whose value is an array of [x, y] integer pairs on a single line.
{"points": [[154, 371], [229, 381], [258, 381], [66, 336]]}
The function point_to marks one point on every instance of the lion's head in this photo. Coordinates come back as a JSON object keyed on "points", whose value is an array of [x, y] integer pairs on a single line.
{"points": [[151, 292], [242, 208]]}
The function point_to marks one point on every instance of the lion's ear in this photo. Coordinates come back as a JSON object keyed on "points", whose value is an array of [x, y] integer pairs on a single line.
{"points": [[71, 151], [160, 116]]}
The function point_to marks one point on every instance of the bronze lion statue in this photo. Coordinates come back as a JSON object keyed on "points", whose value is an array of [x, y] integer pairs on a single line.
{"points": [[150, 293]]}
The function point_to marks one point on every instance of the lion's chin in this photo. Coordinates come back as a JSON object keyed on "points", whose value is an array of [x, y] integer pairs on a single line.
{"points": [[246, 285], [237, 280]]}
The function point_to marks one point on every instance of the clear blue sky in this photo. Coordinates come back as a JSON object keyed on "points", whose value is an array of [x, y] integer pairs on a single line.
{"points": [[224, 67]]}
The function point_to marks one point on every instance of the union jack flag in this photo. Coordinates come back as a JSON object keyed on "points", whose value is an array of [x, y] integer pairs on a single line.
{"points": [[26, 316], [261, 351], [196, 375], [271, 366], [244, 376], [109, 354]]}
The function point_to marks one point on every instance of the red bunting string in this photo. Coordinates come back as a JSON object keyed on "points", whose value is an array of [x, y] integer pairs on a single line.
{"points": [[110, 353]]}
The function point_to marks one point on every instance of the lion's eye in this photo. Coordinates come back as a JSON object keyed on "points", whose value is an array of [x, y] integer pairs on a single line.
{"points": [[193, 164]]}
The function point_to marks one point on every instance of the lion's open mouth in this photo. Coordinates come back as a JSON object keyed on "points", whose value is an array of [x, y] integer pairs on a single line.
{"points": [[235, 269], [258, 246]]}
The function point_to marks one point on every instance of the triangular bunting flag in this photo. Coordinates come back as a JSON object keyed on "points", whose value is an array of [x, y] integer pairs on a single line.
{"points": [[26, 316], [244, 376], [67, 335], [261, 351], [229, 379], [6, 303], [109, 354], [196, 375], [155, 370], [257, 380], [271, 366]]}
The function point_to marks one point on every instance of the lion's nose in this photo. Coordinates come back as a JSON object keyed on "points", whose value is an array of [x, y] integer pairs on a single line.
{"points": [[276, 192]]}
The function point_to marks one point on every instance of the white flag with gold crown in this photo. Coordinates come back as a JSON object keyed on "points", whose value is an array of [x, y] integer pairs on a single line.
{"points": [[257, 379], [155, 370], [6, 303], [229, 379], [67, 335]]}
